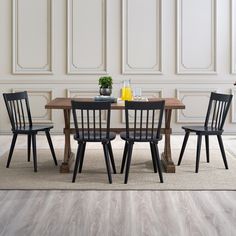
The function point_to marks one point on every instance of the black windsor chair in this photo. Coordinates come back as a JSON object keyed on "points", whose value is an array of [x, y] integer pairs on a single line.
{"points": [[217, 111], [18, 109], [92, 128], [145, 127]]}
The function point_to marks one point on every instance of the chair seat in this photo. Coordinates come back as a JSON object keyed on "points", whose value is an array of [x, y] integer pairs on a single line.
{"points": [[143, 138], [96, 137], [32, 129], [203, 130]]}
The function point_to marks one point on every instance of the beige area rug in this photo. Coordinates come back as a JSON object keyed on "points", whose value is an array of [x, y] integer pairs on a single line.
{"points": [[211, 176]]}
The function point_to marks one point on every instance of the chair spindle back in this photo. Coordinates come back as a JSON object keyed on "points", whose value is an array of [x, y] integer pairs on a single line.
{"points": [[144, 119], [18, 109], [88, 119], [218, 108]]}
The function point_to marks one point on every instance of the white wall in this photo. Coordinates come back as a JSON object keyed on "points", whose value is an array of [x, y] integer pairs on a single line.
{"points": [[170, 48]]}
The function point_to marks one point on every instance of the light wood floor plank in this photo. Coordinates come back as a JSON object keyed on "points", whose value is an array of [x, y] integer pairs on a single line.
{"points": [[117, 213]]}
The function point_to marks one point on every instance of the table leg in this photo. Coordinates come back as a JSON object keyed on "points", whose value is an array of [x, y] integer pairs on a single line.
{"points": [[166, 158], [68, 155]]}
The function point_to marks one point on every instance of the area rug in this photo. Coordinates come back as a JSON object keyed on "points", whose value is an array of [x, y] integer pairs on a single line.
{"points": [[211, 176]]}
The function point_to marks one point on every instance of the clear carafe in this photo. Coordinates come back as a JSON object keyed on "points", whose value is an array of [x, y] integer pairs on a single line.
{"points": [[126, 92]]}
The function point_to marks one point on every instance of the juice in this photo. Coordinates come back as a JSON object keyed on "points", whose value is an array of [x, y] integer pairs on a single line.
{"points": [[126, 94]]}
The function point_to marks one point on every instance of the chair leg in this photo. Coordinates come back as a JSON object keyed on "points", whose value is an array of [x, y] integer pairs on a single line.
{"points": [[78, 156], [130, 149], [199, 143], [51, 146], [183, 147], [34, 152], [82, 158], [111, 157], [207, 148], [106, 155], [153, 158], [13, 142], [222, 151], [29, 146], [124, 157], [156, 151]]}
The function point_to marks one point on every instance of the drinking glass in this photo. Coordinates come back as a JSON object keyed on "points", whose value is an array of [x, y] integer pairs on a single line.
{"points": [[126, 93], [137, 93]]}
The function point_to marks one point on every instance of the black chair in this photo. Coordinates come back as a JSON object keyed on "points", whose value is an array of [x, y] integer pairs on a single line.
{"points": [[90, 127], [146, 127], [215, 118], [18, 109]]}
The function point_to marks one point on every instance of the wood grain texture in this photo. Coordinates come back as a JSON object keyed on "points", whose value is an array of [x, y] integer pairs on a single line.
{"points": [[117, 213], [65, 103]]}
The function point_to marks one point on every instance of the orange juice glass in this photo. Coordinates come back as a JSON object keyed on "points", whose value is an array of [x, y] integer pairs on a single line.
{"points": [[126, 92]]}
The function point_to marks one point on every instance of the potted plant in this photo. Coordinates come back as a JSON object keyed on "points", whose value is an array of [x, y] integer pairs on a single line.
{"points": [[105, 83]]}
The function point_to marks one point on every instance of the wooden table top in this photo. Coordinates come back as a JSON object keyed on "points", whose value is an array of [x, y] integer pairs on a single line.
{"points": [[65, 103]]}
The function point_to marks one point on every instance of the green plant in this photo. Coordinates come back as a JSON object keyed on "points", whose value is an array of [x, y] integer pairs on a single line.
{"points": [[105, 82]]}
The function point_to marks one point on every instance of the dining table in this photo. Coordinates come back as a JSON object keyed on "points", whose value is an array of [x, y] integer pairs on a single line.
{"points": [[65, 105]]}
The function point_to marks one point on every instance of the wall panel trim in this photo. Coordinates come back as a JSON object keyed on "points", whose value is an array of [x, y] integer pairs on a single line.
{"points": [[72, 68], [233, 48], [233, 117], [181, 68], [20, 69], [195, 92], [45, 118], [153, 82], [157, 67]]}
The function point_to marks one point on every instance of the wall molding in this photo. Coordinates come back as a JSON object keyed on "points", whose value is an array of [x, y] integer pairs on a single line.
{"points": [[17, 68], [180, 67], [72, 68], [196, 92], [83, 92], [126, 67], [233, 115], [47, 94], [205, 81], [233, 48]]}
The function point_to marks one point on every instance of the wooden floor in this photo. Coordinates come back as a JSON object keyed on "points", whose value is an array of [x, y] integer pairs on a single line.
{"points": [[123, 213], [131, 213]]}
